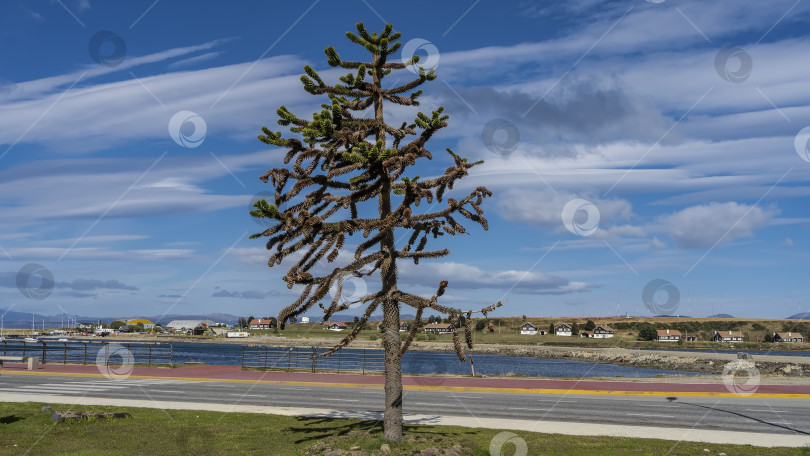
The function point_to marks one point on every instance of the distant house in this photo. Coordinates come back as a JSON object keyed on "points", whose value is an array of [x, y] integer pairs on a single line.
{"points": [[563, 329], [528, 329], [668, 335], [439, 328], [84, 325], [335, 326], [403, 326], [602, 332], [727, 336], [304, 319], [142, 321], [262, 323], [586, 334], [788, 337], [187, 325], [690, 338]]}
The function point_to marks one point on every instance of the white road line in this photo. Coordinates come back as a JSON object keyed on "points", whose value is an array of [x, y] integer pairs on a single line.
{"points": [[32, 388], [763, 410], [247, 395], [164, 391], [65, 385], [656, 416], [344, 400], [658, 406]]}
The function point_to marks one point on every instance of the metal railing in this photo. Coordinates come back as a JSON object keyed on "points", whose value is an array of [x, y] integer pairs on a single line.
{"points": [[89, 352], [307, 359]]}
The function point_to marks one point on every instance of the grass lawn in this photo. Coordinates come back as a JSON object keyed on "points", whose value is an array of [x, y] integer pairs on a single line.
{"points": [[24, 429]]}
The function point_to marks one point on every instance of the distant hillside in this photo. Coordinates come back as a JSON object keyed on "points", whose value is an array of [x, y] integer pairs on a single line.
{"points": [[720, 316], [800, 316]]}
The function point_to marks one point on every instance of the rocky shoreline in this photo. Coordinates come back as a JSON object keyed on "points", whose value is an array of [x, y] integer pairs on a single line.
{"points": [[705, 363]]}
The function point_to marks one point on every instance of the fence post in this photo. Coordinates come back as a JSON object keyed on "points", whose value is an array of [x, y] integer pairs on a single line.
{"points": [[106, 354], [84, 360], [149, 358], [314, 358], [243, 356], [364, 361], [44, 347], [289, 359], [171, 355], [338, 369], [265, 356], [64, 353]]}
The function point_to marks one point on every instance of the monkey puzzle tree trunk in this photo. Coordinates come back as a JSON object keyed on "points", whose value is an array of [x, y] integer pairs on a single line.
{"points": [[392, 419]]}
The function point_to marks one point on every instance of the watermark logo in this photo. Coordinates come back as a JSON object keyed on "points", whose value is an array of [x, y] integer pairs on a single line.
{"points": [[35, 281], [508, 439], [580, 217], [741, 377], [656, 1], [426, 63], [733, 64], [802, 144], [187, 129], [500, 136], [353, 289], [107, 48], [115, 362], [661, 297]]}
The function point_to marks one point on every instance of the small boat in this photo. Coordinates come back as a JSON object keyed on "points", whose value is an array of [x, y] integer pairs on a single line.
{"points": [[62, 340], [31, 339]]}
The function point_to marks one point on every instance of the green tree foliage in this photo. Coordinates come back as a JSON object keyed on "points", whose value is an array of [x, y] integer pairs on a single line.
{"points": [[480, 324], [348, 175], [589, 325], [647, 332], [117, 324]]}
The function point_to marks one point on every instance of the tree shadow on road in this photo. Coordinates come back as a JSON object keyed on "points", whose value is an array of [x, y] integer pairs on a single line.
{"points": [[782, 426]]}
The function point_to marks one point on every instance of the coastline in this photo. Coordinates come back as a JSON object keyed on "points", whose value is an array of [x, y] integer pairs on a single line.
{"points": [[705, 362]]}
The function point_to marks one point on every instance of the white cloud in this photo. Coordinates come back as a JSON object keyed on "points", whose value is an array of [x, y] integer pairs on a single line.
{"points": [[467, 277], [715, 223], [545, 207]]}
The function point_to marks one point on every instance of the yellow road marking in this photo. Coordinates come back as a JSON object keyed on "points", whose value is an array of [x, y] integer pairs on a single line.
{"points": [[481, 389]]}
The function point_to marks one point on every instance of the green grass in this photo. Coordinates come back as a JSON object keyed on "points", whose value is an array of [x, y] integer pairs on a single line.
{"points": [[159, 432]]}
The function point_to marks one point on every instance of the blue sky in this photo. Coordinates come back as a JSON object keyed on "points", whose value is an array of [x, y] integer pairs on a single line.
{"points": [[677, 123]]}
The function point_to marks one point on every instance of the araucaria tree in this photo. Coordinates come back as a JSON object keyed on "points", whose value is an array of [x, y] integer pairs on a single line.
{"points": [[338, 165]]}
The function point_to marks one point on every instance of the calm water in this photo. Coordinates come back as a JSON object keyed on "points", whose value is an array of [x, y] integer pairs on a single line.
{"points": [[412, 363]]}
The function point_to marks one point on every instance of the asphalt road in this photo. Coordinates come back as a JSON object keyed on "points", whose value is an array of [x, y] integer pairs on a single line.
{"points": [[748, 414]]}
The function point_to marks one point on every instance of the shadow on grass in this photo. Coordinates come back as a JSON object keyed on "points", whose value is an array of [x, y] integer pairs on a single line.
{"points": [[10, 419], [324, 426]]}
